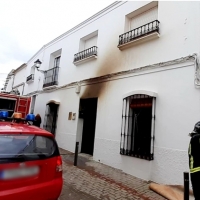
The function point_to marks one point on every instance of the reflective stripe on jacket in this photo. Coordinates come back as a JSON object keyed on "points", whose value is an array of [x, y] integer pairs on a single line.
{"points": [[194, 153]]}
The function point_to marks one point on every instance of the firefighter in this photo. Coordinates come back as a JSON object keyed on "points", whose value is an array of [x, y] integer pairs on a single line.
{"points": [[37, 121], [194, 160]]}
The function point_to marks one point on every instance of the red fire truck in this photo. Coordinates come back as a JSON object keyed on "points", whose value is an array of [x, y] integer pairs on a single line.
{"points": [[15, 103]]}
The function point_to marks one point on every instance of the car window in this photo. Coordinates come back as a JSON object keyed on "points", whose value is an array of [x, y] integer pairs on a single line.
{"points": [[26, 147]]}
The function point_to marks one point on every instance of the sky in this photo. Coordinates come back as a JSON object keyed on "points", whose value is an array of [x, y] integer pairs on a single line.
{"points": [[27, 25]]}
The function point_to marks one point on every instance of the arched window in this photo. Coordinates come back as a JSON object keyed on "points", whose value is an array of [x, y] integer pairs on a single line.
{"points": [[138, 122]]}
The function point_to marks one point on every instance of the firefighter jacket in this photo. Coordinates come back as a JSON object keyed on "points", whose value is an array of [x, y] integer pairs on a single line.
{"points": [[194, 153]]}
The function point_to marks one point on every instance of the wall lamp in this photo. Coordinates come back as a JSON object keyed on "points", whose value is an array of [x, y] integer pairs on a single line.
{"points": [[37, 65]]}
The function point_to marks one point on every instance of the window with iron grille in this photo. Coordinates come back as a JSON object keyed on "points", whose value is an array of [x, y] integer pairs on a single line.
{"points": [[140, 23], [57, 61], [87, 47], [50, 118], [51, 75], [137, 129]]}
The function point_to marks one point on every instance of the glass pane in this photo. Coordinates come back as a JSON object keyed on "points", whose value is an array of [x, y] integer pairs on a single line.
{"points": [[28, 147]]}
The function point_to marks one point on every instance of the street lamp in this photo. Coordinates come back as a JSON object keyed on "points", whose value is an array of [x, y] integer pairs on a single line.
{"points": [[37, 65]]}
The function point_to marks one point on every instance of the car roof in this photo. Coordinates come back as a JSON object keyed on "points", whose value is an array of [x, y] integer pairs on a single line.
{"points": [[16, 128]]}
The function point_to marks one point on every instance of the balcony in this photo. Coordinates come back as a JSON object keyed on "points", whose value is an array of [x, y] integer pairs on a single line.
{"points": [[30, 78], [143, 33], [86, 55], [51, 77]]}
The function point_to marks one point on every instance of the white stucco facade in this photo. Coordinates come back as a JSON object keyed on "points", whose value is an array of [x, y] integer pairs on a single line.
{"points": [[16, 80], [163, 67]]}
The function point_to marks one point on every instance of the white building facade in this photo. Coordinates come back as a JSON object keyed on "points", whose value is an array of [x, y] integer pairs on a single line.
{"points": [[124, 84]]}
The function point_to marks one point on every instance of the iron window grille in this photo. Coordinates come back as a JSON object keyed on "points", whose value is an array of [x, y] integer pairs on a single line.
{"points": [[50, 118], [51, 77], [139, 32], [57, 61], [137, 129], [30, 77], [85, 54]]}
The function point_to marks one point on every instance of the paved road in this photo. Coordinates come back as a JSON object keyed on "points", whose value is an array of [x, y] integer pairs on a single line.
{"points": [[91, 180]]}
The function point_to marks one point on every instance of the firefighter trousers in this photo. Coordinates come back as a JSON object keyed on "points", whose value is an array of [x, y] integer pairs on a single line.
{"points": [[195, 179]]}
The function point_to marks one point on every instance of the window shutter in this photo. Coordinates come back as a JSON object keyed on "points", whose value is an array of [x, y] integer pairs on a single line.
{"points": [[91, 42], [144, 18]]}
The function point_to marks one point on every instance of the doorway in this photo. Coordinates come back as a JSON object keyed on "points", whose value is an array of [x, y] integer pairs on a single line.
{"points": [[88, 111], [50, 118]]}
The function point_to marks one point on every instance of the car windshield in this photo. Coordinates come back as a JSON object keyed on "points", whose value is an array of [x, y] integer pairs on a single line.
{"points": [[26, 147]]}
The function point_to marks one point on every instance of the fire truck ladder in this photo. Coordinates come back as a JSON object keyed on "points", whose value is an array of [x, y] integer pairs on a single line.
{"points": [[22, 106]]}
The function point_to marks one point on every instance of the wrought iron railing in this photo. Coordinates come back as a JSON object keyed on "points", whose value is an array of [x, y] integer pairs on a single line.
{"points": [[85, 54], [51, 77], [30, 77], [139, 32], [137, 137]]}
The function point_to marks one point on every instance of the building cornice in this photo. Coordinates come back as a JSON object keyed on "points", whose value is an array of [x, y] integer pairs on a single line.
{"points": [[77, 27], [140, 70], [93, 17], [20, 68]]}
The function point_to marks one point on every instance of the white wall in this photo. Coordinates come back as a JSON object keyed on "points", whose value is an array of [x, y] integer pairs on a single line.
{"points": [[179, 34], [175, 117], [10, 83], [38, 76], [66, 129], [20, 77]]}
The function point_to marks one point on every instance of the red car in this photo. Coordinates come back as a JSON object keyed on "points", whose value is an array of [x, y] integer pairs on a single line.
{"points": [[30, 163]]}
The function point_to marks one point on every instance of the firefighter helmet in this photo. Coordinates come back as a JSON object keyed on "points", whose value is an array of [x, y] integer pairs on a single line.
{"points": [[196, 128]]}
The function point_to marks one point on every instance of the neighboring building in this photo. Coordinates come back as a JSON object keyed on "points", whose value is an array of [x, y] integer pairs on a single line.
{"points": [[15, 81], [9, 76], [124, 83]]}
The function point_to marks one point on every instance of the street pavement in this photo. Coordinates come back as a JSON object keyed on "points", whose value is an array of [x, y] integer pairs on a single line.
{"points": [[91, 180]]}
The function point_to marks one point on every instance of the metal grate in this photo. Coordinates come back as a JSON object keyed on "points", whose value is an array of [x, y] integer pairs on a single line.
{"points": [[51, 77], [137, 130], [50, 118], [85, 54], [139, 32]]}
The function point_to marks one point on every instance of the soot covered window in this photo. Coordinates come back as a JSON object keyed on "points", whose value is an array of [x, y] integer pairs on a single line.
{"points": [[137, 131]]}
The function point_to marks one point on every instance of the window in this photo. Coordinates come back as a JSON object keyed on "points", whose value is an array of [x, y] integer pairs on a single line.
{"points": [[8, 105], [87, 48], [33, 103], [144, 18], [50, 118], [141, 16], [33, 69], [141, 24], [15, 148], [51, 75], [30, 78], [88, 41], [137, 131], [57, 61]]}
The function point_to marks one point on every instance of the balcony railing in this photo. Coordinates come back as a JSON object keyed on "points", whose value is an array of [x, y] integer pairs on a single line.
{"points": [[139, 32], [30, 78], [85, 54], [51, 77]]}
